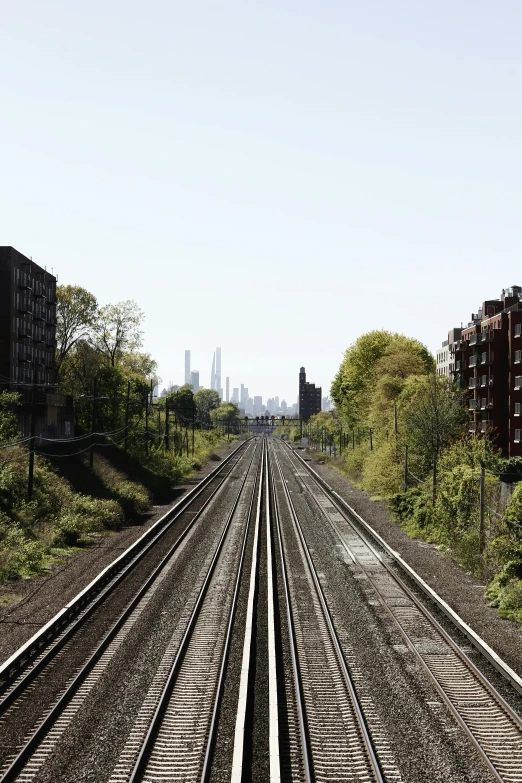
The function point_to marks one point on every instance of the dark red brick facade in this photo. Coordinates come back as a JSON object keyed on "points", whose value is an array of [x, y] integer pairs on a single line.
{"points": [[488, 362]]}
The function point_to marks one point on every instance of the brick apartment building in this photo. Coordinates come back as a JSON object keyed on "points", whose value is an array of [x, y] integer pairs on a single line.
{"points": [[488, 362], [28, 344], [309, 397]]}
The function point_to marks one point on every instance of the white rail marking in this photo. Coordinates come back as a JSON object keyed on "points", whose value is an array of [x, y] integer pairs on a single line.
{"points": [[239, 734]]}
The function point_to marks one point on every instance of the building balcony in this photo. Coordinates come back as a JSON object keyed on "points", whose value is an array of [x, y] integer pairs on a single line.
{"points": [[24, 356], [487, 337], [25, 306], [475, 338], [39, 314], [487, 358], [473, 383], [484, 426], [39, 337], [474, 361], [25, 332], [486, 381], [472, 405], [24, 283], [472, 427]]}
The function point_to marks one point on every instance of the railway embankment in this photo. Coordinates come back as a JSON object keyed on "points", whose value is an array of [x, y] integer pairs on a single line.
{"points": [[30, 601], [460, 589]]}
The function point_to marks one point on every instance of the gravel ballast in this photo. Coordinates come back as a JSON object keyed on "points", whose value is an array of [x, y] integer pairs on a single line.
{"points": [[460, 590]]}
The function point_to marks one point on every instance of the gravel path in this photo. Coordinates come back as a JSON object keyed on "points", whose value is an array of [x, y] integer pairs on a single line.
{"points": [[27, 604]]}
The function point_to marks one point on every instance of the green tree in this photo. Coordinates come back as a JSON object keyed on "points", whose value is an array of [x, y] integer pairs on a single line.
{"points": [[432, 414], [8, 422], [226, 412], [374, 355], [206, 401], [117, 330], [76, 311], [182, 403]]}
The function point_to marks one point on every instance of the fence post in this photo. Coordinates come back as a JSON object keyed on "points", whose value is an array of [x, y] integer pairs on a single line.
{"points": [[481, 522], [167, 433], [127, 417], [30, 478], [405, 483], [371, 440], [93, 421]]}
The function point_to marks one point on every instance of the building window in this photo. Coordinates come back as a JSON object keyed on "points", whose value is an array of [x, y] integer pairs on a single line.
{"points": [[518, 330], [517, 408], [517, 436], [518, 357], [518, 382]]}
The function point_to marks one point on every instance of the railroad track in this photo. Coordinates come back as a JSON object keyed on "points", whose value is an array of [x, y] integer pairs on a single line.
{"points": [[334, 739], [489, 722], [83, 661]]}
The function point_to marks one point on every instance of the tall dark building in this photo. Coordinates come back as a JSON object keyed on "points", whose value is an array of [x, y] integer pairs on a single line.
{"points": [[27, 320], [309, 397], [488, 362], [28, 344]]}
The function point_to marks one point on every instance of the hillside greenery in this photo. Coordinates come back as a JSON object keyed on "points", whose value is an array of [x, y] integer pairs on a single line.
{"points": [[387, 382], [101, 365]]}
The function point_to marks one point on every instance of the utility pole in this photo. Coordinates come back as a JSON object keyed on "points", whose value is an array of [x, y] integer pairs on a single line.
{"points": [[93, 421], [371, 440], [434, 477], [127, 417], [167, 439], [30, 480], [147, 424], [481, 523]]}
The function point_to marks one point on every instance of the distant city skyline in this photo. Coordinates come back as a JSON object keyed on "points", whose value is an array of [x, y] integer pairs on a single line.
{"points": [[255, 404]]}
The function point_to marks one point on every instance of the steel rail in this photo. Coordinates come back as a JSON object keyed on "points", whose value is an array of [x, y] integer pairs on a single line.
{"points": [[228, 640], [245, 681], [33, 741], [99, 588], [296, 670], [148, 744], [372, 756], [479, 643], [466, 661]]}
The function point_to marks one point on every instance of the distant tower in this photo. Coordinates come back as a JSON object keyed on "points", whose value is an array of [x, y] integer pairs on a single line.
{"points": [[309, 399], [194, 380], [187, 366], [228, 388], [213, 373], [218, 372]]}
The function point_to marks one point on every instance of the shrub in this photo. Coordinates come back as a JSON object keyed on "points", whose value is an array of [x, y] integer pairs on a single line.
{"points": [[19, 555], [85, 516], [132, 497]]}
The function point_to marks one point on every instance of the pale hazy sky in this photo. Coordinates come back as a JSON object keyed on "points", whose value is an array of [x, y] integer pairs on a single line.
{"points": [[272, 177]]}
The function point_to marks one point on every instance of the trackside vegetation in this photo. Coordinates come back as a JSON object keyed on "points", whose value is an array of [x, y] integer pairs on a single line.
{"points": [[141, 449], [403, 432]]}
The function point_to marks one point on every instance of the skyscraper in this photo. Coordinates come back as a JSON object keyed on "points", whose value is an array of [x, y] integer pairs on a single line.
{"points": [[187, 366], [194, 380], [213, 373], [218, 373], [309, 397], [235, 395]]}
